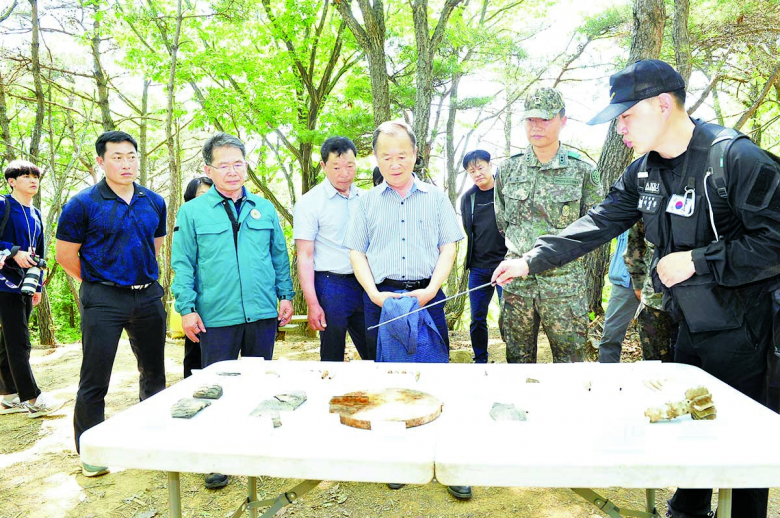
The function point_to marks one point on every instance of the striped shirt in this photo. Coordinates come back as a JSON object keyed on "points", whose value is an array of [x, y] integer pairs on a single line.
{"points": [[401, 236]]}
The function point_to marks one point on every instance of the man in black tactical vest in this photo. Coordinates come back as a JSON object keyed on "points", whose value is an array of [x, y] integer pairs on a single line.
{"points": [[717, 259]]}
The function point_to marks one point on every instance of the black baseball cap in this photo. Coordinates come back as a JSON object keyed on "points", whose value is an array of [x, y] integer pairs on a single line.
{"points": [[641, 80]]}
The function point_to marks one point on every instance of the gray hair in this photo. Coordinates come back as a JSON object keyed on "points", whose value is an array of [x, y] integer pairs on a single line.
{"points": [[394, 129], [221, 140]]}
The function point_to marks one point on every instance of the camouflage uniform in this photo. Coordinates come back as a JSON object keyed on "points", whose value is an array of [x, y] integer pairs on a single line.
{"points": [[656, 327], [533, 199]]}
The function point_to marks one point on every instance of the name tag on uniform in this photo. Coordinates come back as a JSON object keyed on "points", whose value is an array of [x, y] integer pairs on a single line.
{"points": [[649, 203], [681, 205]]}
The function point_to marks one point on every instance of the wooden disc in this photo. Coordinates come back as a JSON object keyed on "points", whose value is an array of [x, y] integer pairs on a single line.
{"points": [[360, 409]]}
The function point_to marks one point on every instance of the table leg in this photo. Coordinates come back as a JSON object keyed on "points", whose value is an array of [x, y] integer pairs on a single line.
{"points": [[251, 484], [724, 503], [650, 498], [174, 494]]}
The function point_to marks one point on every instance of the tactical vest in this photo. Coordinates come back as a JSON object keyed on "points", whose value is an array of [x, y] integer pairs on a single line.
{"points": [[678, 214]]}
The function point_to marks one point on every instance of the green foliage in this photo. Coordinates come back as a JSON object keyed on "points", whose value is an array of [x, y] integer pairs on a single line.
{"points": [[607, 21]]}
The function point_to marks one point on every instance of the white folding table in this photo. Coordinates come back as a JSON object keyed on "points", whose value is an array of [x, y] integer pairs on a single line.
{"points": [[585, 428]]}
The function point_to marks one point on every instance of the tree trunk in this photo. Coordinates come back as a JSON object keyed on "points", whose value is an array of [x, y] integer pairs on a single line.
{"points": [[682, 44], [372, 39], [646, 41], [426, 50], [5, 125], [35, 141], [173, 158], [508, 129], [457, 282], [380, 89], [452, 167], [45, 320], [75, 292], [423, 78], [100, 78], [142, 140]]}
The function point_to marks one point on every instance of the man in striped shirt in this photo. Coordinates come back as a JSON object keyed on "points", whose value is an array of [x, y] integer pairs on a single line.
{"points": [[402, 238], [403, 235]]}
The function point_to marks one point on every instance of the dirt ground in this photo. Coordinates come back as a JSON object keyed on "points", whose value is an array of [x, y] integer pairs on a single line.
{"points": [[41, 475]]}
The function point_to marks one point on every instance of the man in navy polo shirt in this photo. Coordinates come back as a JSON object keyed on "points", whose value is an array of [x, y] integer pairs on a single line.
{"points": [[333, 295], [108, 238]]}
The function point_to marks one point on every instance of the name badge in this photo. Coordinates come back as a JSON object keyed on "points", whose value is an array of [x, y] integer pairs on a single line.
{"points": [[649, 203], [682, 205]]}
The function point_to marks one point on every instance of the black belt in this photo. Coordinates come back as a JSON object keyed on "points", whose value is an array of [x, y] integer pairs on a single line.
{"points": [[133, 287], [406, 285], [339, 275]]}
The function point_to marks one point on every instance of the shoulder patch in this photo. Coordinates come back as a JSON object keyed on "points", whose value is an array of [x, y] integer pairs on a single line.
{"points": [[595, 177], [573, 154], [521, 153]]}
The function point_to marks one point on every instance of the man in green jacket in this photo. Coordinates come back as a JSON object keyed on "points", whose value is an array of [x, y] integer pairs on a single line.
{"points": [[231, 264]]}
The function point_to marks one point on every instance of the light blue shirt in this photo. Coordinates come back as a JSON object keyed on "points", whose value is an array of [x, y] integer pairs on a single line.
{"points": [[321, 215], [401, 236], [618, 273]]}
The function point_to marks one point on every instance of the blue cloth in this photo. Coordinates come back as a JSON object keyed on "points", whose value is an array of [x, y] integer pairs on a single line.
{"points": [[401, 237], [373, 313], [322, 215], [117, 238], [413, 339], [618, 273], [24, 229]]}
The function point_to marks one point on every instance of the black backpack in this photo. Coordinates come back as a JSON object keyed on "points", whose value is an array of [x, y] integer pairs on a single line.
{"points": [[719, 150]]}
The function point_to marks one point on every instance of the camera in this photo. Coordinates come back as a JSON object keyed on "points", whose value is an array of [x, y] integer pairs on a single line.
{"points": [[33, 276]]}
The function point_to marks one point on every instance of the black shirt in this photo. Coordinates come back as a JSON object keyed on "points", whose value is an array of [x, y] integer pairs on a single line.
{"points": [[488, 246]]}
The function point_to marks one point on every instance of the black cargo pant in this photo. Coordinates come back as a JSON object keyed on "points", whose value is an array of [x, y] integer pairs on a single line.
{"points": [[16, 376], [107, 310], [738, 357]]}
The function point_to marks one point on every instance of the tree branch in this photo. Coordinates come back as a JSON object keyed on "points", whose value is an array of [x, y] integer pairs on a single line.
{"points": [[748, 114]]}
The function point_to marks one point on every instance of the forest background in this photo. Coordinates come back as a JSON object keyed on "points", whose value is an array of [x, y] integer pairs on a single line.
{"points": [[284, 75]]}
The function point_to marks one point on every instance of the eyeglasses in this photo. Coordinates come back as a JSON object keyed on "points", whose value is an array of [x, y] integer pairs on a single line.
{"points": [[238, 167]]}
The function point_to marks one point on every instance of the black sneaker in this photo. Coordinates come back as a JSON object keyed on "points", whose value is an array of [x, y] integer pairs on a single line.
{"points": [[216, 481], [395, 486]]}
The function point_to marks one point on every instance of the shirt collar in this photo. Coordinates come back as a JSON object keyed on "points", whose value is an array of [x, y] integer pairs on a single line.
{"points": [[216, 197], [108, 194], [331, 191], [417, 185], [561, 158]]}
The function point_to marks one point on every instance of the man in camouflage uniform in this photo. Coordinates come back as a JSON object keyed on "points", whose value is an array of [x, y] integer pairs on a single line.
{"points": [[540, 191], [656, 327]]}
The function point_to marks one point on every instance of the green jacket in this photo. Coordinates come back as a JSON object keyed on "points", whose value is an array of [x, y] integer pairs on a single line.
{"points": [[229, 284]]}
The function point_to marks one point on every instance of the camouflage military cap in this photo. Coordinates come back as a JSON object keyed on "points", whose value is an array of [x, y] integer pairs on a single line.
{"points": [[543, 103]]}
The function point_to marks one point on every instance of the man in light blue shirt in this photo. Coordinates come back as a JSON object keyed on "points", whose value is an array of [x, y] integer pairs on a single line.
{"points": [[402, 238], [622, 306], [333, 295]]}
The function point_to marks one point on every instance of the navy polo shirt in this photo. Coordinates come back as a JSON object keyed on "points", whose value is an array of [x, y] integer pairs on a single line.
{"points": [[117, 239]]}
